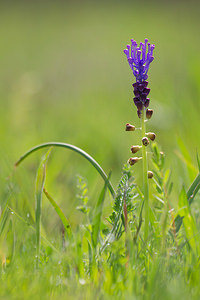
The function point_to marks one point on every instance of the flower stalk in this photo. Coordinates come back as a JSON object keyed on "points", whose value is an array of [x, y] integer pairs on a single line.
{"points": [[139, 58], [145, 179]]}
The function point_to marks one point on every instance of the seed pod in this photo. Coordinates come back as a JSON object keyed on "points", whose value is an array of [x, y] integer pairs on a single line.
{"points": [[130, 127], [145, 141], [149, 113], [133, 160], [150, 174], [151, 135], [135, 149]]}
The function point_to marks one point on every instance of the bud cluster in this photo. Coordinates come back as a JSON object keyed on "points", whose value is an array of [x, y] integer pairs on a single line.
{"points": [[141, 92]]}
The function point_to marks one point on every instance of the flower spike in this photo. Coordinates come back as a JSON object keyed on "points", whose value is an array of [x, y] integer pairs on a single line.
{"points": [[139, 59]]}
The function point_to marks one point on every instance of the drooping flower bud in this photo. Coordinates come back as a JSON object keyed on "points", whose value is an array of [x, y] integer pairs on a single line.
{"points": [[149, 113], [145, 141], [130, 127], [133, 160], [135, 149], [139, 113], [150, 174], [151, 135]]}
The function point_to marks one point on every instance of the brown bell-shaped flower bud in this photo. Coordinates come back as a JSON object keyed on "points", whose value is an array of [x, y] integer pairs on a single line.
{"points": [[145, 141], [130, 127], [149, 113], [135, 149], [151, 135], [139, 113], [133, 160], [150, 174]]}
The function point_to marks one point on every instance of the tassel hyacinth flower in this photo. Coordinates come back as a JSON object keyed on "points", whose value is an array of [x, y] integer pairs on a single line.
{"points": [[139, 59]]}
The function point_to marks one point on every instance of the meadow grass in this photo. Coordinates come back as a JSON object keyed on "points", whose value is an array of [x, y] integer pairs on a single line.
{"points": [[64, 78]]}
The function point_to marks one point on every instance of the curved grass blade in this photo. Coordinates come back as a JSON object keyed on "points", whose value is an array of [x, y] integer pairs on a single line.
{"points": [[76, 149], [40, 180], [60, 213]]}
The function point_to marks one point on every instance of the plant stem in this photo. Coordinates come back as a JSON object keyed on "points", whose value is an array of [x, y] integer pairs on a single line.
{"points": [[145, 180]]}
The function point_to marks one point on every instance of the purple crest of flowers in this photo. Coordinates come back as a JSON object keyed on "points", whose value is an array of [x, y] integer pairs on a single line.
{"points": [[139, 58]]}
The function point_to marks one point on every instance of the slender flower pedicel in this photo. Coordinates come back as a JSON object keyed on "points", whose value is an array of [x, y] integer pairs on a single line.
{"points": [[139, 59]]}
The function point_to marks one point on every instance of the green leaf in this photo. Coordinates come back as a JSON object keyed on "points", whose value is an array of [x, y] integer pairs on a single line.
{"points": [[75, 149], [188, 221], [60, 213], [191, 193], [193, 189], [158, 187], [40, 180], [97, 215], [4, 220], [116, 230], [185, 157], [90, 255], [33, 228], [198, 161]]}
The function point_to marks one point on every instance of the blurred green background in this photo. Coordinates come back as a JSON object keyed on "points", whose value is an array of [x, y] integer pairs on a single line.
{"points": [[64, 77]]}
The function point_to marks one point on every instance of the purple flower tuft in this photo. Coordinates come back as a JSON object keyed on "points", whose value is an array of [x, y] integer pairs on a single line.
{"points": [[139, 58]]}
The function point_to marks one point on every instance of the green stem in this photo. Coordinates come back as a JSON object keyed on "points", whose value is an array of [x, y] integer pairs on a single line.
{"points": [[145, 181]]}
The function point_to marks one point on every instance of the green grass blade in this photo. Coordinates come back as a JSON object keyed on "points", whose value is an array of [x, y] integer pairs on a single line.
{"points": [[188, 221], [198, 161], [191, 193], [79, 151], [193, 189], [47, 242], [60, 213], [185, 157], [97, 215], [40, 180], [90, 256], [4, 218]]}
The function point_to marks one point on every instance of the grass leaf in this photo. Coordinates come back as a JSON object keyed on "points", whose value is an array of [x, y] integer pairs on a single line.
{"points": [[40, 180], [188, 221], [97, 215], [60, 213], [191, 193], [193, 189], [75, 149]]}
